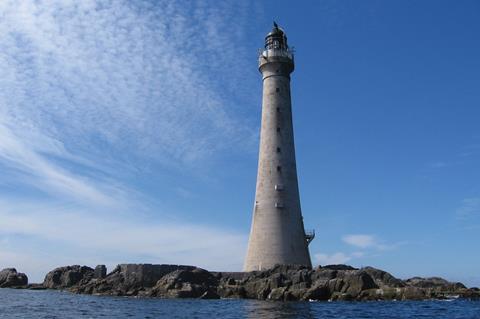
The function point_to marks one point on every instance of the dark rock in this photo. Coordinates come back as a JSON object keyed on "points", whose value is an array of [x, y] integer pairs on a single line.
{"points": [[434, 282], [317, 293], [145, 275], [282, 283], [228, 287], [285, 269], [413, 293], [322, 275], [277, 294], [286, 282], [339, 296], [129, 279], [352, 282], [383, 278], [100, 272], [301, 279], [385, 293], [36, 287], [257, 288], [472, 293], [294, 294], [370, 294], [210, 294], [339, 267], [68, 276], [10, 278], [299, 283], [390, 293], [231, 291], [193, 283], [232, 275]]}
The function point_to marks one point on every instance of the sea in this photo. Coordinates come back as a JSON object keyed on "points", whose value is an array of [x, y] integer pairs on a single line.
{"points": [[57, 304]]}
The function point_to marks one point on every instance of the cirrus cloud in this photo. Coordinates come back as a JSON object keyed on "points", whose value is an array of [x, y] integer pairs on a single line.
{"points": [[92, 91], [365, 241]]}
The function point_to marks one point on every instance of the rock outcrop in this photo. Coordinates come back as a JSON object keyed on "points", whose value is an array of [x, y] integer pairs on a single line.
{"points": [[434, 283], [10, 278], [68, 276], [283, 282], [383, 278], [100, 272], [128, 280], [186, 283], [335, 282]]}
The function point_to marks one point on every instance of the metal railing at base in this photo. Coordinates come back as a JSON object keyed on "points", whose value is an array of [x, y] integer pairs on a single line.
{"points": [[266, 53], [309, 235]]}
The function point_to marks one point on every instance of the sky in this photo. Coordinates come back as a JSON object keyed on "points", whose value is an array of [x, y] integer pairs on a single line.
{"points": [[129, 132]]}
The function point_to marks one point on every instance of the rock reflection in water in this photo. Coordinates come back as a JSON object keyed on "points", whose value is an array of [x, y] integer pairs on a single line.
{"points": [[278, 310]]}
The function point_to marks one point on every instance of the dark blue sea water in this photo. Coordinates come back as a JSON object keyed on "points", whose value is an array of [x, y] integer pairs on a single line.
{"points": [[54, 304]]}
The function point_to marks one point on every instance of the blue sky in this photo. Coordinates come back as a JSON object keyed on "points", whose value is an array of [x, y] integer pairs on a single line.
{"points": [[129, 132]]}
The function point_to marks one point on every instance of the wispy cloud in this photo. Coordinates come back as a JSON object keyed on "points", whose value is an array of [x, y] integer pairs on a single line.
{"points": [[464, 155], [337, 258], [93, 90], [80, 235], [131, 77], [365, 241], [90, 88], [364, 245], [438, 164], [361, 241], [469, 208], [28, 157]]}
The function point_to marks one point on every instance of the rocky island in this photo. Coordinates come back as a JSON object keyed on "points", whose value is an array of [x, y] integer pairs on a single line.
{"points": [[282, 283]]}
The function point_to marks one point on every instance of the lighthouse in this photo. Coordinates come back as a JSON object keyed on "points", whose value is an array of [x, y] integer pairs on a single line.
{"points": [[277, 234]]}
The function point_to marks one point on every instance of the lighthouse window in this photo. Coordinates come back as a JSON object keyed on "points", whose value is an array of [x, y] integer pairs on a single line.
{"points": [[278, 109], [277, 90], [278, 130], [278, 150], [279, 168]]}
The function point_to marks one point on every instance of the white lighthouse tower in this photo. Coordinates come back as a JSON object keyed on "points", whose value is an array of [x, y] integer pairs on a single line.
{"points": [[277, 234]]}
